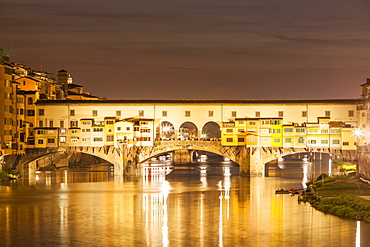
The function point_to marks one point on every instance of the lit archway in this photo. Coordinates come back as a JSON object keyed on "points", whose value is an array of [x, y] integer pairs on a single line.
{"points": [[188, 131], [211, 132], [165, 131]]}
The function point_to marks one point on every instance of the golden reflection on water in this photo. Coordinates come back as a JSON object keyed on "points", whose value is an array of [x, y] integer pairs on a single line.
{"points": [[165, 207]]}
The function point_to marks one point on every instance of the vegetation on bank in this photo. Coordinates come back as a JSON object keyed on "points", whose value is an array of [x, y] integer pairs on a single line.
{"points": [[340, 196]]}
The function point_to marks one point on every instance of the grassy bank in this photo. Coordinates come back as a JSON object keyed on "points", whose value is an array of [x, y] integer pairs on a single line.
{"points": [[341, 196]]}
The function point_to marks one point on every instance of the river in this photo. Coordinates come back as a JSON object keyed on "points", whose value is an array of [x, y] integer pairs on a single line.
{"points": [[198, 204]]}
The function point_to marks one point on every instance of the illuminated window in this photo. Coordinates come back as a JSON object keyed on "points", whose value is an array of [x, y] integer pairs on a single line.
{"points": [[62, 139]]}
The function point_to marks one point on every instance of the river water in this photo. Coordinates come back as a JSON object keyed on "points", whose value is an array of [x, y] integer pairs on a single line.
{"points": [[198, 204]]}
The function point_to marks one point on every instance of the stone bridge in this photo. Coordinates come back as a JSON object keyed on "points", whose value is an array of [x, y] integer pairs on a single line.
{"points": [[129, 160]]}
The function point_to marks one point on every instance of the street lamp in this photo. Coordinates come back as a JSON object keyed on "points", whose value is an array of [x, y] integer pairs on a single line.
{"points": [[357, 133]]}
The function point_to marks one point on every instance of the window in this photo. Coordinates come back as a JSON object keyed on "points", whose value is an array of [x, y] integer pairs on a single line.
{"points": [[288, 140], [327, 113], [21, 111], [98, 130], [363, 114], [277, 140], [351, 113], [30, 101], [233, 114], [324, 141], [61, 124], [98, 139], [109, 122], [51, 123], [187, 113], [289, 130], [275, 122], [62, 139], [41, 123], [229, 130], [73, 124], [210, 113], [336, 141], [41, 112], [30, 112], [72, 112], [118, 113], [301, 140], [311, 141], [281, 114], [145, 139], [40, 132], [128, 128], [164, 113], [345, 143], [241, 130], [324, 131], [51, 140], [229, 139], [265, 130], [74, 139], [74, 131], [86, 139], [110, 138], [40, 141], [118, 128], [265, 122], [304, 113], [251, 139], [252, 123], [95, 113], [240, 139], [300, 130], [241, 122], [258, 114], [63, 131], [265, 139], [274, 130], [141, 113]]}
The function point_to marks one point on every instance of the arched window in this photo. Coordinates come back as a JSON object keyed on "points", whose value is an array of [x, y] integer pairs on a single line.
{"points": [[30, 101]]}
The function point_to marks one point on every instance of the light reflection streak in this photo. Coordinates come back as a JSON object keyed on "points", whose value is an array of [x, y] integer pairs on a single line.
{"points": [[155, 206], [305, 178], [358, 234]]}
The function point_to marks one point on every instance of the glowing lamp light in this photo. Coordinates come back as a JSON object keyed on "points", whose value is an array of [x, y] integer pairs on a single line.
{"points": [[357, 132]]}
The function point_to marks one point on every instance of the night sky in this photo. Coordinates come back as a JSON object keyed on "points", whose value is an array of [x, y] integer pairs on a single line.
{"points": [[195, 49]]}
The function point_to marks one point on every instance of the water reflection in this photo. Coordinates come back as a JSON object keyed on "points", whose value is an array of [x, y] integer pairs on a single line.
{"points": [[205, 204]]}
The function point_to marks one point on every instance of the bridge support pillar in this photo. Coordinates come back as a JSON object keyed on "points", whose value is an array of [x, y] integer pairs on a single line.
{"points": [[182, 156]]}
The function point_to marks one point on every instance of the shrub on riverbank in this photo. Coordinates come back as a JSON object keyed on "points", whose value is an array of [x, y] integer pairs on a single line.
{"points": [[345, 206], [339, 196]]}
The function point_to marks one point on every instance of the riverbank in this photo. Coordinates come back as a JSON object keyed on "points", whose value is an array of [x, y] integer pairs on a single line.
{"points": [[344, 196]]}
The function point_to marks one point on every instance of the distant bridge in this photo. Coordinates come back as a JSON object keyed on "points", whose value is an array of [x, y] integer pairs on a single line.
{"points": [[129, 160]]}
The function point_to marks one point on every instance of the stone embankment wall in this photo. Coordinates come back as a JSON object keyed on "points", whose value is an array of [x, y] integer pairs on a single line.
{"points": [[363, 161]]}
